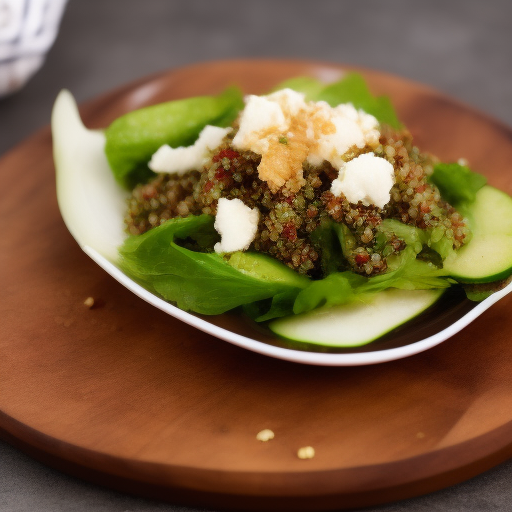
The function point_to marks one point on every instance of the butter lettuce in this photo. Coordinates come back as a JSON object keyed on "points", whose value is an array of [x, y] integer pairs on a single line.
{"points": [[352, 88], [132, 139], [309, 86], [203, 282], [336, 289], [171, 261], [457, 183], [177, 262], [417, 239], [406, 272]]}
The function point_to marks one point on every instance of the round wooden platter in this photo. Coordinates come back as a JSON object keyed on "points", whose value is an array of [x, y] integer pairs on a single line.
{"points": [[128, 397]]}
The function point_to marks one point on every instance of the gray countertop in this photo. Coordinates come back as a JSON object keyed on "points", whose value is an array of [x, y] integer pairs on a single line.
{"points": [[460, 47]]}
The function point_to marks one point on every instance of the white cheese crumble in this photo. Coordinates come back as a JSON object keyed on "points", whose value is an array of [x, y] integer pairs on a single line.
{"points": [[367, 178], [291, 102], [352, 128], [259, 116], [183, 159], [264, 116], [287, 131], [237, 225]]}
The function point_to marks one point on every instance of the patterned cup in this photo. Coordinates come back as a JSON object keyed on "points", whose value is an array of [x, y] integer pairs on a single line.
{"points": [[28, 29]]}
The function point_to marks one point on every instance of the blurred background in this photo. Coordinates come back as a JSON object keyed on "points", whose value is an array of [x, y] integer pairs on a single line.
{"points": [[462, 47]]}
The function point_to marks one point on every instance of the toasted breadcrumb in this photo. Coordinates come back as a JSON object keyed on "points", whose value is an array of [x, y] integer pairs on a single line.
{"points": [[306, 452], [265, 435], [89, 302]]}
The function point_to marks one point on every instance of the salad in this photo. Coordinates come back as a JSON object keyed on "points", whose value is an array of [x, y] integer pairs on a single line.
{"points": [[308, 208]]}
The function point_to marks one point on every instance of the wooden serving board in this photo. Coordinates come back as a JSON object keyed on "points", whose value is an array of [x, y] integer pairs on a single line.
{"points": [[128, 397]]}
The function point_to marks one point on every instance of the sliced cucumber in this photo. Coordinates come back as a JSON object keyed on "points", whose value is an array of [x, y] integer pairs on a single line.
{"points": [[265, 268], [91, 202], [488, 255], [358, 323]]}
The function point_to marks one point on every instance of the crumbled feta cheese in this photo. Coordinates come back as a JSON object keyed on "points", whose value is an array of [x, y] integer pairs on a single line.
{"points": [[237, 225], [259, 116], [183, 159], [290, 101], [314, 132], [264, 116], [351, 128], [367, 178]]}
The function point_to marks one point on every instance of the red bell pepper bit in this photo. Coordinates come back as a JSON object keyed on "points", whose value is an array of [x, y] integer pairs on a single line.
{"points": [[289, 232], [362, 258]]}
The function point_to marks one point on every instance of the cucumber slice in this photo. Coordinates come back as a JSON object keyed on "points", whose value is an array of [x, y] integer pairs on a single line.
{"points": [[91, 202], [488, 255], [359, 323], [265, 268]]}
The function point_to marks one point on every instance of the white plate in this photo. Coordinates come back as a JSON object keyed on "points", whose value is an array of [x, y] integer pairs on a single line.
{"points": [[93, 205]]}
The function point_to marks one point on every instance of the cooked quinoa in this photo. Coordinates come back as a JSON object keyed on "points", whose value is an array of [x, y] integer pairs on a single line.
{"points": [[163, 198], [288, 219]]}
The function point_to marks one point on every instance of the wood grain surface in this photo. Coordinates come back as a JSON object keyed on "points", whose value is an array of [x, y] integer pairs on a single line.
{"points": [[128, 397]]}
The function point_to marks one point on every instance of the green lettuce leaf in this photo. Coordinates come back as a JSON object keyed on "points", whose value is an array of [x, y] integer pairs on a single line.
{"points": [[458, 184], [352, 88], [208, 283], [335, 241], [411, 235], [406, 272], [280, 305], [309, 86], [414, 237], [327, 242], [132, 139], [336, 289], [202, 282]]}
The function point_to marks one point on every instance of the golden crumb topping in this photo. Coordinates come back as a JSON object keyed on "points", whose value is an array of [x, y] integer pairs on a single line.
{"points": [[287, 131]]}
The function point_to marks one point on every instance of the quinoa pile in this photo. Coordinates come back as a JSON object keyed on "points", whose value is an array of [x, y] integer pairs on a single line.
{"points": [[288, 219]]}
